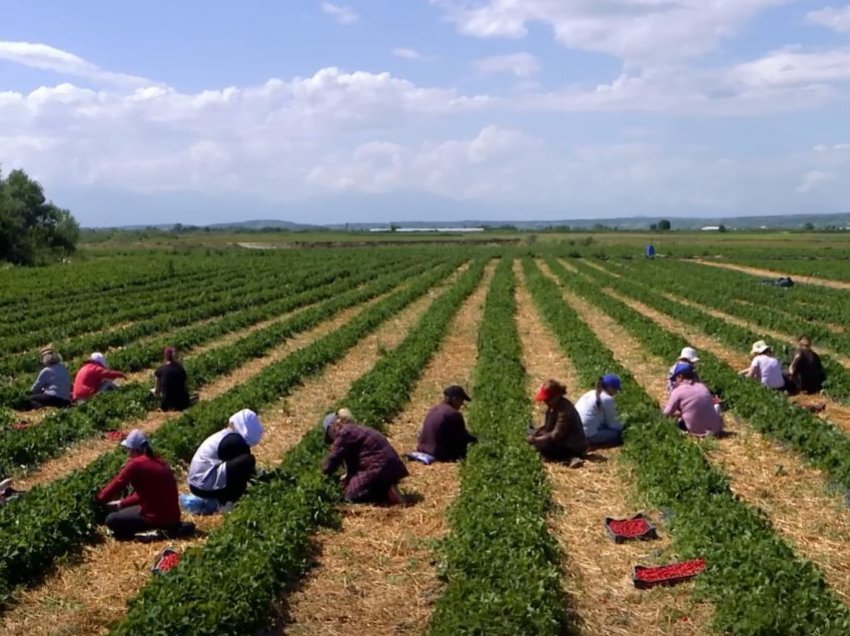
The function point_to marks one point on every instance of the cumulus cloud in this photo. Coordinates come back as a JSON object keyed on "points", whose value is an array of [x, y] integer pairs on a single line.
{"points": [[835, 18], [48, 58], [637, 31], [340, 13], [519, 64]]}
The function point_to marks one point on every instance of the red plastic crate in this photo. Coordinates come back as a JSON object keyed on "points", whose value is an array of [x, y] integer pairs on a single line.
{"points": [[635, 528], [646, 577]]}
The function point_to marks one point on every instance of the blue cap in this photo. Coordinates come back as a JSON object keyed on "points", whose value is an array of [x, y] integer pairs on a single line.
{"points": [[681, 367], [611, 381]]}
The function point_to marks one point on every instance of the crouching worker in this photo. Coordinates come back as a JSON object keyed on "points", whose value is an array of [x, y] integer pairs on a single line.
{"points": [[52, 387], [444, 436], [806, 369], [223, 464], [373, 468], [153, 505], [94, 377], [170, 385], [598, 412], [561, 437], [692, 403]]}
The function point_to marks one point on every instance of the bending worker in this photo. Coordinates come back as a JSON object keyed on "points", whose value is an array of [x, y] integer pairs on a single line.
{"points": [[692, 403], [171, 383], [94, 377], [444, 436], [561, 437], [806, 369]]}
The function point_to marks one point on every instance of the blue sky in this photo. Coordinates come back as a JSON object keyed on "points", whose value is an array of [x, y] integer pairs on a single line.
{"points": [[368, 110]]}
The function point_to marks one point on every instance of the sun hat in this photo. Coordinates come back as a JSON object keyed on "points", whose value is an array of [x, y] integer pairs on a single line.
{"points": [[759, 347], [689, 353], [135, 440], [611, 381], [681, 367], [457, 392], [98, 357]]}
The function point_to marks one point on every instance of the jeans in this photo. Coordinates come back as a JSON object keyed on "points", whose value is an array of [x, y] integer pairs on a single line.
{"points": [[39, 400], [605, 437], [127, 522]]}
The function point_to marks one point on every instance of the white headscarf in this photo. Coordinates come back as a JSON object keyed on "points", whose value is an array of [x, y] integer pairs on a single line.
{"points": [[248, 425]]}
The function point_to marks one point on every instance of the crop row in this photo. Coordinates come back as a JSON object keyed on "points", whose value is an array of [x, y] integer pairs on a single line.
{"points": [[753, 578], [769, 412], [500, 561], [280, 516], [57, 518], [27, 448]]}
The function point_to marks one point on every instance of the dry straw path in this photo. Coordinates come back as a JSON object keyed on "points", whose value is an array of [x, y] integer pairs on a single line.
{"points": [[376, 575], [795, 497], [87, 595], [595, 569], [769, 273]]}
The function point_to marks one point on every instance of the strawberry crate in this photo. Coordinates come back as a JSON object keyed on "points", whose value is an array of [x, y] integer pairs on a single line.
{"points": [[636, 528], [645, 577], [166, 560]]}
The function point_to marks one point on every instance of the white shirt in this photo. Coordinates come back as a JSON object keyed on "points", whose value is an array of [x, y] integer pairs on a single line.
{"points": [[595, 417], [769, 371], [207, 471]]}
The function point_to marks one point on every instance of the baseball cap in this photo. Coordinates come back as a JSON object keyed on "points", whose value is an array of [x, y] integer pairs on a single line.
{"points": [[611, 381], [455, 391], [681, 367], [135, 440]]}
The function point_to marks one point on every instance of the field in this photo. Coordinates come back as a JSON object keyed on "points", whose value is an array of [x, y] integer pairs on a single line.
{"points": [[498, 544]]}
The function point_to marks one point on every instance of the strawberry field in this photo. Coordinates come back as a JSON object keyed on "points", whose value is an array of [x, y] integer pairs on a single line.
{"points": [[751, 529]]}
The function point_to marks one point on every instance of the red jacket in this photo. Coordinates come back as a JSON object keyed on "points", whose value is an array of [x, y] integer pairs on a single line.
{"points": [[154, 489], [88, 379]]}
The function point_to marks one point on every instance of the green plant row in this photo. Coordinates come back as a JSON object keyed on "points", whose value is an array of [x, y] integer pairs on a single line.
{"points": [[754, 580], [167, 313], [29, 447], [771, 413], [499, 561], [737, 337], [59, 517], [280, 517]]}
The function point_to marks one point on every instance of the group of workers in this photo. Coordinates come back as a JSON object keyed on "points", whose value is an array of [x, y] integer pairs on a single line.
{"points": [[223, 465], [53, 386]]}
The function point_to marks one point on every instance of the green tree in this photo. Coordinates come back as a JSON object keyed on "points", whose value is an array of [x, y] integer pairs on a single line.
{"points": [[664, 225], [721, 228], [808, 227], [32, 229]]}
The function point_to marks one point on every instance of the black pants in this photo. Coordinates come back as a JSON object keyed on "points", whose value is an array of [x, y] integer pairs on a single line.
{"points": [[127, 522], [239, 472], [38, 400]]}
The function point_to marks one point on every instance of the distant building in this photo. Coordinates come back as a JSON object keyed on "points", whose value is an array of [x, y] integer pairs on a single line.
{"points": [[710, 228], [427, 229]]}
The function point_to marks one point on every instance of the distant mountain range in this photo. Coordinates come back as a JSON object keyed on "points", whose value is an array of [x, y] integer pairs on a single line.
{"points": [[794, 221]]}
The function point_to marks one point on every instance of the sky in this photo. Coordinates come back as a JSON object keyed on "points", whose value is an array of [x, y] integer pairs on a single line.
{"points": [[205, 111]]}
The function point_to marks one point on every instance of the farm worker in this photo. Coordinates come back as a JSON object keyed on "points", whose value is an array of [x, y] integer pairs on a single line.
{"points": [[223, 463], [444, 435], [598, 412], [171, 383], [372, 467], [561, 437], [52, 387], [765, 367], [688, 356], [94, 377], [806, 369], [153, 505], [650, 251], [692, 403]]}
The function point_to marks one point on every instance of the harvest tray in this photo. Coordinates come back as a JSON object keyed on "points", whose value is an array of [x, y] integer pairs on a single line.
{"points": [[115, 436], [635, 528], [166, 560], [671, 574]]}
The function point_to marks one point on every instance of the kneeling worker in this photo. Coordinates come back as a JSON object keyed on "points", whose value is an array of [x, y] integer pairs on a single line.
{"points": [[444, 435], [692, 403], [561, 437]]}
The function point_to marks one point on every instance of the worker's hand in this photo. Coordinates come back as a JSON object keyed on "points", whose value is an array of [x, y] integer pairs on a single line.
{"points": [[113, 506]]}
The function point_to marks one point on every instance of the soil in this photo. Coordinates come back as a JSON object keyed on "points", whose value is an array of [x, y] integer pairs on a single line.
{"points": [[769, 273]]}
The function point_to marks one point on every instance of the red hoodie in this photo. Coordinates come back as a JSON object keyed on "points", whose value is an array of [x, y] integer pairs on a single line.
{"points": [[154, 489], [88, 380]]}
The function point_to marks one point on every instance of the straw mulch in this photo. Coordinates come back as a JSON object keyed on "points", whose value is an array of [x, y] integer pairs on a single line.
{"points": [[595, 569], [769, 273], [376, 576], [86, 595]]}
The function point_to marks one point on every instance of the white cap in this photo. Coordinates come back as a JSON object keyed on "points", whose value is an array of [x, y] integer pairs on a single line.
{"points": [[98, 357], [689, 353], [135, 440], [760, 347]]}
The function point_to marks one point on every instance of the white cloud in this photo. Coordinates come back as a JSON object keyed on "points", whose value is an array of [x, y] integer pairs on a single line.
{"points": [[410, 54], [637, 31], [48, 58], [812, 179], [832, 148], [519, 64], [340, 13], [791, 66], [835, 18]]}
